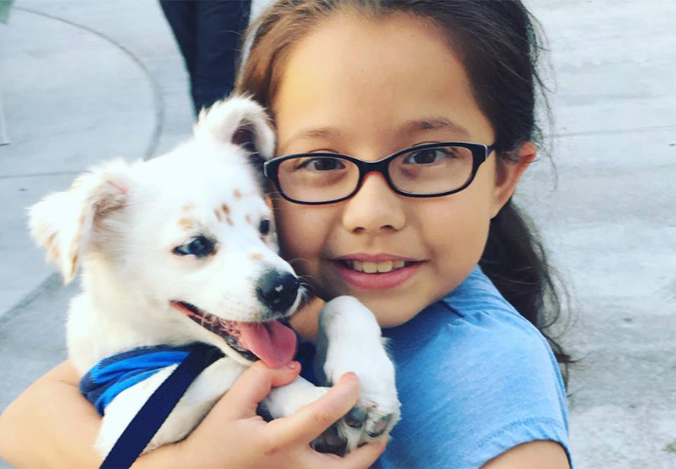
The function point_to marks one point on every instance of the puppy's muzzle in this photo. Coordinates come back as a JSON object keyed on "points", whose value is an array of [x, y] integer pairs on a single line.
{"points": [[277, 290]]}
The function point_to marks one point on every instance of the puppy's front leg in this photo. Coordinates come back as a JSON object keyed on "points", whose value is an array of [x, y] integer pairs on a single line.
{"points": [[200, 397], [349, 339], [286, 400]]}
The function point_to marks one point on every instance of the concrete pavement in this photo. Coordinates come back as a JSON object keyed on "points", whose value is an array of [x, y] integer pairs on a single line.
{"points": [[85, 81]]}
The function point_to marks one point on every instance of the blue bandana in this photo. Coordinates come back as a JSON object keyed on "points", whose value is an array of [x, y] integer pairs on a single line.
{"points": [[114, 374]]}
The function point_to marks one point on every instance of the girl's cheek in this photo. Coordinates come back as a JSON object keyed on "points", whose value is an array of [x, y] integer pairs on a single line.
{"points": [[301, 231]]}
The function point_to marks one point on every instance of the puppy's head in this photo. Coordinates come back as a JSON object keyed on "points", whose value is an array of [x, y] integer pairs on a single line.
{"points": [[183, 244]]}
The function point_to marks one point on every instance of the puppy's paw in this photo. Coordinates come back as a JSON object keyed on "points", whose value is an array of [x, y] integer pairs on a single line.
{"points": [[370, 419], [350, 340], [366, 422]]}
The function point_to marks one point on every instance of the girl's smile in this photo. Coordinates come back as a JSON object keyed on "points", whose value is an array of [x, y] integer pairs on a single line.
{"points": [[375, 272]]}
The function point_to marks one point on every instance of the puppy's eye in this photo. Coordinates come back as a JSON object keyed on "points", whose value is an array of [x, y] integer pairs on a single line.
{"points": [[200, 246], [265, 227]]}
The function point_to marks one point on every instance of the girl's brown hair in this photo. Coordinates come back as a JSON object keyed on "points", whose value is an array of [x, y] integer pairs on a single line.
{"points": [[498, 45]]}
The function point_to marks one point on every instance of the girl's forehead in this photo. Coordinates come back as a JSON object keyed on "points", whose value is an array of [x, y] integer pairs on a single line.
{"points": [[382, 78]]}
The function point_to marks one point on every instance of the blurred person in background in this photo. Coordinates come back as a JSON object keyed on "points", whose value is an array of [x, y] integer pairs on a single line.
{"points": [[209, 34]]}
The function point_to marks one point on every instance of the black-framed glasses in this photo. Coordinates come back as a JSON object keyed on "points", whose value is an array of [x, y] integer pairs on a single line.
{"points": [[427, 170]]}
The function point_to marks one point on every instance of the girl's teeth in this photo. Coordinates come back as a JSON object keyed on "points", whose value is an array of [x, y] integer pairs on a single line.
{"points": [[370, 267], [385, 266], [373, 267]]}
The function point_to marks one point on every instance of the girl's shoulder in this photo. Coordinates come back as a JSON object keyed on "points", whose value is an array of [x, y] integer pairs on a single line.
{"points": [[477, 323], [475, 379]]}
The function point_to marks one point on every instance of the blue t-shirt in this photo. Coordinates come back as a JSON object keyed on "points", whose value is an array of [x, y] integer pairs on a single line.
{"points": [[475, 379]]}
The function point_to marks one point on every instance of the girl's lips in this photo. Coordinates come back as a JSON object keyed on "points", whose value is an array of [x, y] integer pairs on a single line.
{"points": [[376, 281], [372, 258]]}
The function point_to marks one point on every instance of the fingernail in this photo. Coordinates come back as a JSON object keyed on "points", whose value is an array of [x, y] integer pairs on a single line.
{"points": [[350, 375], [293, 365]]}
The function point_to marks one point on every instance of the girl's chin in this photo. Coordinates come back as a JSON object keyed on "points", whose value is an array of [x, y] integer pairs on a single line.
{"points": [[390, 309]]}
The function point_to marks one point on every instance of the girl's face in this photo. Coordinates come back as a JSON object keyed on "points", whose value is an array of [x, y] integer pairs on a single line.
{"points": [[367, 89]]}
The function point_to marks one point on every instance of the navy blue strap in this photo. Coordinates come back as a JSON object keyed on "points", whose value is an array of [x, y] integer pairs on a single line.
{"points": [[157, 408]]}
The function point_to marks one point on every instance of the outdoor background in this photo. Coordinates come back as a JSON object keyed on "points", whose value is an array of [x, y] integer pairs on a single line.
{"points": [[83, 81]]}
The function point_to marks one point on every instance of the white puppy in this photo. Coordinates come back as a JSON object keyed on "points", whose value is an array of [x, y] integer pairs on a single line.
{"points": [[181, 249]]}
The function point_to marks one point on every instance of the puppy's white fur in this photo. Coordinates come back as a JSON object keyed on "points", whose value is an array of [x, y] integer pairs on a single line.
{"points": [[121, 223]]}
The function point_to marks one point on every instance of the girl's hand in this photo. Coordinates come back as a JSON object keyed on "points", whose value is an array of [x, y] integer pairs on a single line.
{"points": [[233, 436]]}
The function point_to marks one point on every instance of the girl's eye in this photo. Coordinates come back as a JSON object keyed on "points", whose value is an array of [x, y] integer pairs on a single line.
{"points": [[264, 227], [428, 157], [201, 246], [320, 164]]}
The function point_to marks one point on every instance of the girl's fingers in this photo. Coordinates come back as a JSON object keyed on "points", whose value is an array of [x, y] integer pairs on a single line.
{"points": [[241, 400], [310, 421]]}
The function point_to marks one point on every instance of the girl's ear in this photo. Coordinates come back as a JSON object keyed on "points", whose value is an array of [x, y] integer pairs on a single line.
{"points": [[240, 121], [508, 174], [64, 222]]}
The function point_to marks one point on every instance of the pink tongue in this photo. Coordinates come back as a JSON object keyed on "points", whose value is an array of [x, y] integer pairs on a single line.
{"points": [[272, 342]]}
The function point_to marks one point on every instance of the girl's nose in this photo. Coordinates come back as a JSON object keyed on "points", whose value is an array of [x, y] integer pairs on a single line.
{"points": [[374, 208]]}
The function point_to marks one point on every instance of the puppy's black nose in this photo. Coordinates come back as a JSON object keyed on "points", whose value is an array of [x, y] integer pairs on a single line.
{"points": [[277, 290]]}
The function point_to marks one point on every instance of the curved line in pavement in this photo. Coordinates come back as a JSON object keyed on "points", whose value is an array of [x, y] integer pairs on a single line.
{"points": [[158, 103], [52, 283]]}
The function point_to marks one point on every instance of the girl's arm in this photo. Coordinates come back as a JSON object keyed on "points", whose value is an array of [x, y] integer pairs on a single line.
{"points": [[534, 455], [52, 425]]}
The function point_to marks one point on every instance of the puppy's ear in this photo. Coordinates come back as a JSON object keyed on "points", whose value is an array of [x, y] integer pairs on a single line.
{"points": [[64, 222], [240, 121]]}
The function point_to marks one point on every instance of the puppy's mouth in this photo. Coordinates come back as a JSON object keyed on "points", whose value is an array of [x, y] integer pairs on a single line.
{"points": [[272, 342]]}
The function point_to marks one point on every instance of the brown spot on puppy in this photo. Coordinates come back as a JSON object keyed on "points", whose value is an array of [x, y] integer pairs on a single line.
{"points": [[75, 245], [237, 194], [50, 239], [187, 223], [223, 214], [73, 266], [256, 256], [226, 213], [188, 207], [53, 252], [248, 219]]}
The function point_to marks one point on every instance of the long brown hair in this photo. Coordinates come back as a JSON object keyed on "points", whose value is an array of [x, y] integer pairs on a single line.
{"points": [[498, 44]]}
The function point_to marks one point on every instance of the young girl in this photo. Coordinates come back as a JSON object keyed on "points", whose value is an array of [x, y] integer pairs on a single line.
{"points": [[442, 95]]}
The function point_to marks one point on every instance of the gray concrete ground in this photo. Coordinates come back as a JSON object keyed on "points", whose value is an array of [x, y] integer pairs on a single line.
{"points": [[84, 81]]}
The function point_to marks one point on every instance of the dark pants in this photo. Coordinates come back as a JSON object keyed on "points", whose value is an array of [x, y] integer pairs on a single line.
{"points": [[209, 34]]}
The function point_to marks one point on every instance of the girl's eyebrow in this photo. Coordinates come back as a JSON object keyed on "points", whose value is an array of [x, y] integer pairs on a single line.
{"points": [[433, 123], [411, 127], [318, 133]]}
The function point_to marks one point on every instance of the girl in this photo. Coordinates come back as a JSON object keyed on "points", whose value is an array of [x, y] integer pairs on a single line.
{"points": [[427, 238]]}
